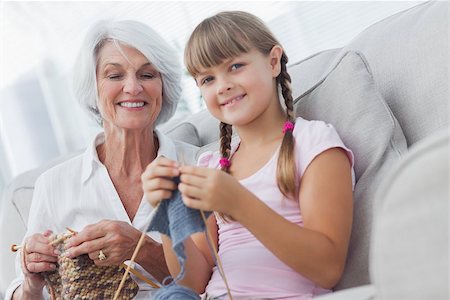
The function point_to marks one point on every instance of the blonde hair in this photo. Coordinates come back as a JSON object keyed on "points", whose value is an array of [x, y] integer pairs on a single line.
{"points": [[225, 36]]}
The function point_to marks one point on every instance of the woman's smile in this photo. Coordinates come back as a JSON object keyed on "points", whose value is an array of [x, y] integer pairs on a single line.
{"points": [[132, 104]]}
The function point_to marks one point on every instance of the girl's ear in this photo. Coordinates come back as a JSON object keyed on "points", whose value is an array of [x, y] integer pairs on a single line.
{"points": [[275, 60]]}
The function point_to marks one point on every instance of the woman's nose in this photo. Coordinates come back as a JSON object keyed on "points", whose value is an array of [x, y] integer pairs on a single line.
{"points": [[132, 86]]}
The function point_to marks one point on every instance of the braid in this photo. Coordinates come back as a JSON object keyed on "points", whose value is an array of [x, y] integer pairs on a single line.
{"points": [[225, 142], [226, 131], [285, 81], [286, 169]]}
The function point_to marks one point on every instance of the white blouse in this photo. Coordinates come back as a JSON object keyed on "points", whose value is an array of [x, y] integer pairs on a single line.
{"points": [[79, 192]]}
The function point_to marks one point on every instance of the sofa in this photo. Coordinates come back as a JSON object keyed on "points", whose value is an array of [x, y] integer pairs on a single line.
{"points": [[386, 93]]}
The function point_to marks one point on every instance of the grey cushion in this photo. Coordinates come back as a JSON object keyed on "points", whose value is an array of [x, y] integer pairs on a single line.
{"points": [[184, 131], [207, 126], [306, 73], [347, 98], [199, 129], [409, 56], [410, 249]]}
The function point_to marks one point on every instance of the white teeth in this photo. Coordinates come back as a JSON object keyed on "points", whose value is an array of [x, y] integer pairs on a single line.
{"points": [[131, 104], [234, 100]]}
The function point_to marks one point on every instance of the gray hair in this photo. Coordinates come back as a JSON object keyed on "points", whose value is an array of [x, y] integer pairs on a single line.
{"points": [[136, 35]]}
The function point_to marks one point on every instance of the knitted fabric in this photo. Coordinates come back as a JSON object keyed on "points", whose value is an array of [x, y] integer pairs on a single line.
{"points": [[177, 221], [80, 278], [174, 291]]}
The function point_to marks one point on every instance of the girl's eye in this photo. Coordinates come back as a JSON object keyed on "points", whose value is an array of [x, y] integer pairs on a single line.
{"points": [[206, 80], [236, 66]]}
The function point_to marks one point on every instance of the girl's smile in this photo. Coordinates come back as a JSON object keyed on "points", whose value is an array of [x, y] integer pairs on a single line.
{"points": [[232, 101]]}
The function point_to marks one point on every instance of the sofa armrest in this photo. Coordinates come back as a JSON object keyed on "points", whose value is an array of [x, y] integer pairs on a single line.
{"points": [[12, 231], [409, 250], [15, 206]]}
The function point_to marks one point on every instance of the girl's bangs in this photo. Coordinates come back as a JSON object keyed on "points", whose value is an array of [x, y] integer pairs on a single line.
{"points": [[212, 46]]}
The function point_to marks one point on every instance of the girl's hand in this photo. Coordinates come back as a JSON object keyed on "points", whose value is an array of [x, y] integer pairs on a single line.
{"points": [[211, 190], [37, 256], [157, 180], [116, 240]]}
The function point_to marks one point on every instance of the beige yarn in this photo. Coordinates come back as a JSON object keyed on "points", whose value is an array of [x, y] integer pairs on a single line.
{"points": [[79, 278]]}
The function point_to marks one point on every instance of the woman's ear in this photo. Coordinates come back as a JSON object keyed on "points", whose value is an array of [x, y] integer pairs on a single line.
{"points": [[275, 59]]}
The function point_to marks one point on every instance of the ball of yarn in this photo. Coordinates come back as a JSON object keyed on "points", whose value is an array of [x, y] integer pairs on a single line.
{"points": [[174, 291]]}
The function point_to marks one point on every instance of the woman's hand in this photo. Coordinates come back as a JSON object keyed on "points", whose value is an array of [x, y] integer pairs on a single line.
{"points": [[37, 256], [211, 190], [116, 240], [157, 180]]}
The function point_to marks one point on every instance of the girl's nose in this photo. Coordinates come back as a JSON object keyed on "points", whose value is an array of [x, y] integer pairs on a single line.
{"points": [[132, 86], [224, 86]]}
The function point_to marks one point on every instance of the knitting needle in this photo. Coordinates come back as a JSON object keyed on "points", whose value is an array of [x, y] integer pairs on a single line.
{"points": [[71, 231], [139, 275], [64, 237], [128, 268], [139, 244], [218, 260], [15, 247]]}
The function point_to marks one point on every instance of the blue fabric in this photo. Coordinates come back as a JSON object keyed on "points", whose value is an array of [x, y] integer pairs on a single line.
{"points": [[177, 221], [175, 292]]}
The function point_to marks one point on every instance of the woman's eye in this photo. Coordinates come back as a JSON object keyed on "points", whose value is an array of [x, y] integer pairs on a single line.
{"points": [[114, 76], [236, 66], [148, 75]]}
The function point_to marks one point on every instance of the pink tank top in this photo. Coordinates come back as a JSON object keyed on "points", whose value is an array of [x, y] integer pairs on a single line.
{"points": [[252, 271]]}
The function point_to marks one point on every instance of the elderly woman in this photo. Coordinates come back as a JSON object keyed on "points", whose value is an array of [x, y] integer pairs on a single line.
{"points": [[128, 78]]}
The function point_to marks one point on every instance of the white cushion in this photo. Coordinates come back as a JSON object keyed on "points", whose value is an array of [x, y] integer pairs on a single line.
{"points": [[411, 232]]}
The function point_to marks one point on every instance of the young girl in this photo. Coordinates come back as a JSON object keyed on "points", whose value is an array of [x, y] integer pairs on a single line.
{"points": [[282, 194]]}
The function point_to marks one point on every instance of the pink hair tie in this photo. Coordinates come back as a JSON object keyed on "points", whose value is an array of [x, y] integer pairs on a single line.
{"points": [[288, 126], [224, 162]]}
